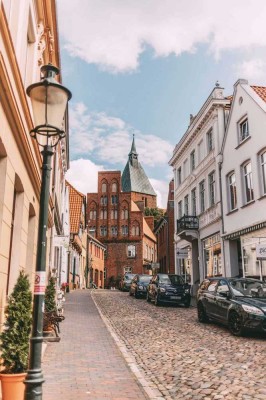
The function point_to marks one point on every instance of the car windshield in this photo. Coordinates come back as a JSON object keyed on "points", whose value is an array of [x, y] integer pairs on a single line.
{"points": [[248, 288], [129, 277], [171, 279], [145, 278]]}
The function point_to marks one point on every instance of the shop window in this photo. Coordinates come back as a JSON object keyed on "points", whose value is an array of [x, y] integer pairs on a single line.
{"points": [[212, 256]]}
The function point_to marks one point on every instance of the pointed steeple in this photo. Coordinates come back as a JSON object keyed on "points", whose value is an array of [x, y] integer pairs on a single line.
{"points": [[133, 155], [134, 178]]}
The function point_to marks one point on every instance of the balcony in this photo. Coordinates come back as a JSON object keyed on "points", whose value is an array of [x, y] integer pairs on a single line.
{"points": [[185, 225]]}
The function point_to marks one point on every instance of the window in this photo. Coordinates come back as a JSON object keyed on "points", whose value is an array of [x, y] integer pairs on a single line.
{"points": [[124, 230], [103, 214], [92, 214], [263, 171], [232, 191], [192, 161], [212, 188], [103, 230], [113, 214], [180, 209], [114, 187], [103, 200], [193, 202], [248, 184], [186, 205], [124, 214], [243, 130], [185, 169], [202, 196], [104, 187], [128, 270], [209, 141], [131, 251], [135, 230], [114, 230], [179, 176], [200, 151], [114, 199]]}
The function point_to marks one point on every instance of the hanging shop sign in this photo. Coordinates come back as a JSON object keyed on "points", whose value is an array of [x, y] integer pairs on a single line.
{"points": [[261, 251]]}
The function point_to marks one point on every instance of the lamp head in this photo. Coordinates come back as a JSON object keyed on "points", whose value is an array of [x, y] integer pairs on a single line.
{"points": [[49, 101]]}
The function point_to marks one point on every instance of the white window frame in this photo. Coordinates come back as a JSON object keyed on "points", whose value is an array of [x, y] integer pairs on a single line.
{"points": [[131, 251], [243, 129], [247, 181], [202, 196], [231, 184], [212, 193]]}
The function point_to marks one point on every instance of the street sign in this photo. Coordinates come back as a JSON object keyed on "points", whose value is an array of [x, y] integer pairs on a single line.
{"points": [[181, 253], [261, 251], [155, 265]]}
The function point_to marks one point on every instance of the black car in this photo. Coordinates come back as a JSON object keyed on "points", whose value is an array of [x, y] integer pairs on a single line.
{"points": [[125, 282], [139, 285], [240, 303], [168, 288]]}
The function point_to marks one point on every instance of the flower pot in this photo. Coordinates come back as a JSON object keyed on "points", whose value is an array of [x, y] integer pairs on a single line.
{"points": [[13, 386]]}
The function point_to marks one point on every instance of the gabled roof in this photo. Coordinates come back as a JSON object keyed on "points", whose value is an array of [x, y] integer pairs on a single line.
{"points": [[134, 178], [261, 91], [75, 207]]}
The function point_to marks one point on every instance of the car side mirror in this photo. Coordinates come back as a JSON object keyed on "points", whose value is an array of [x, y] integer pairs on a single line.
{"points": [[225, 294]]}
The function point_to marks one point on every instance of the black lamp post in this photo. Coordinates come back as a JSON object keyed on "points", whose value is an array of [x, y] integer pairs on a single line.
{"points": [[49, 101]]}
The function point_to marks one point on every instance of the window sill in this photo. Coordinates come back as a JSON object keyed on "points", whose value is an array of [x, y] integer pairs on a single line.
{"points": [[232, 211], [243, 141], [248, 204]]}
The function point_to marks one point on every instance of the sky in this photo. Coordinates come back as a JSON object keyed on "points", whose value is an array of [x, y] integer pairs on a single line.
{"points": [[142, 67]]}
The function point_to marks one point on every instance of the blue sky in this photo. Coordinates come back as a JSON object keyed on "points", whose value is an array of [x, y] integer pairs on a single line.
{"points": [[143, 67]]}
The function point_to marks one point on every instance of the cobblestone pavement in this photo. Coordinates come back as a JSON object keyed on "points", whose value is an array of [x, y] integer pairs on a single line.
{"points": [[182, 358], [86, 363]]}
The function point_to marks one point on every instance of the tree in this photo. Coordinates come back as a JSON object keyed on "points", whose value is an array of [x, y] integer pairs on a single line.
{"points": [[17, 327], [156, 212]]}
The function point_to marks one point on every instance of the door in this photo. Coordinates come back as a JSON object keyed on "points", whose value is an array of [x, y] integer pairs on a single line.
{"points": [[209, 298], [222, 302]]}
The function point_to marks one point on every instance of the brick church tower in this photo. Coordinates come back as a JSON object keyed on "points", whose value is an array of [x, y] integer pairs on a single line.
{"points": [[115, 215]]}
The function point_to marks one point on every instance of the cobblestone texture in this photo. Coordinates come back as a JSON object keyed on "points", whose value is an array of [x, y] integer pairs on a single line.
{"points": [[86, 364], [182, 358]]}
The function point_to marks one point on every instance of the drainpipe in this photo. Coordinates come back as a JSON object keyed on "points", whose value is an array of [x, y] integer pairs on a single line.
{"points": [[220, 163]]}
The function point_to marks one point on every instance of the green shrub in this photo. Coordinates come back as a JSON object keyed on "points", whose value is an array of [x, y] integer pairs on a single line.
{"points": [[15, 337]]}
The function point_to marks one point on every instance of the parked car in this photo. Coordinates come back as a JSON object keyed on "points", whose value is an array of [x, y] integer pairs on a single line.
{"points": [[240, 303], [139, 285], [168, 288], [125, 282]]}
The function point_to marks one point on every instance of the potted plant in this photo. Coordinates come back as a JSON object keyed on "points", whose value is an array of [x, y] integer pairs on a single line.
{"points": [[49, 303], [14, 340]]}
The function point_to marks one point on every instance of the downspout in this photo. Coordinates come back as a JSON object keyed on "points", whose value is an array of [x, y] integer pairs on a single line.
{"points": [[220, 162]]}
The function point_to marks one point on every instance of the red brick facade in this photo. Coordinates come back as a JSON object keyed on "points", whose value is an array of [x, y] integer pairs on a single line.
{"points": [[164, 231], [119, 223]]}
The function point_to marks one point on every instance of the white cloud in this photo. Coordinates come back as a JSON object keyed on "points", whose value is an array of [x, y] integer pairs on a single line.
{"points": [[109, 139], [161, 188], [253, 70], [114, 33], [83, 175]]}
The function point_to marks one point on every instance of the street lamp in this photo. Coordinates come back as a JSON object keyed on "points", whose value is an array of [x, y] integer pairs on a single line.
{"points": [[49, 101]]}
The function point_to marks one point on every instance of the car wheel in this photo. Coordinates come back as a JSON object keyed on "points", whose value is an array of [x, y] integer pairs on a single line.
{"points": [[202, 316], [187, 303], [148, 298], [235, 323], [157, 301]]}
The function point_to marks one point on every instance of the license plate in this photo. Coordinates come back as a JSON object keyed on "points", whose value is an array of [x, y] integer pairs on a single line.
{"points": [[175, 297]]}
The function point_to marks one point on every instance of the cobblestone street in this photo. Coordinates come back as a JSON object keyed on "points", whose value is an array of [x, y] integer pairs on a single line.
{"points": [[182, 358]]}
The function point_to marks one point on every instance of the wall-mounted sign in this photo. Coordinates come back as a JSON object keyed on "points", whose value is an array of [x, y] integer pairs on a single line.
{"points": [[261, 251], [181, 253]]}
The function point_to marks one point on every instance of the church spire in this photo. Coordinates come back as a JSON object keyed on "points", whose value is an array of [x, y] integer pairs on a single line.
{"points": [[133, 155]]}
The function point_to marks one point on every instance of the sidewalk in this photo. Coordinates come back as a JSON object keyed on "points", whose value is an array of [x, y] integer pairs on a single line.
{"points": [[86, 363]]}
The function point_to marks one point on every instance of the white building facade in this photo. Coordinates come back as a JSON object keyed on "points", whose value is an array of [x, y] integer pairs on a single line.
{"points": [[244, 182], [198, 212]]}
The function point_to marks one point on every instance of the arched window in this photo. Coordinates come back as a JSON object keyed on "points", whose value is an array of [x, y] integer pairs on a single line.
{"points": [[114, 187], [124, 213], [114, 199], [114, 230], [124, 230], [113, 214], [135, 229], [93, 214], [104, 187], [103, 200]]}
